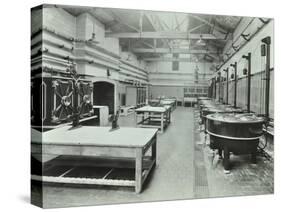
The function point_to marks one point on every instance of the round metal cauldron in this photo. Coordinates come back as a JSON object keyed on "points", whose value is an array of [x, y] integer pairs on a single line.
{"points": [[236, 133], [209, 110], [200, 100], [217, 109], [203, 98], [230, 109], [208, 104]]}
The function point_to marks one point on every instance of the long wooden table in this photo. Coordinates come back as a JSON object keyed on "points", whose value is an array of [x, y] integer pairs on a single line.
{"points": [[124, 143], [153, 117], [167, 101], [171, 102]]}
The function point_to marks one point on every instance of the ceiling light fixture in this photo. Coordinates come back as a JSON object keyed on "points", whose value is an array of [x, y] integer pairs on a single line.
{"points": [[200, 42]]}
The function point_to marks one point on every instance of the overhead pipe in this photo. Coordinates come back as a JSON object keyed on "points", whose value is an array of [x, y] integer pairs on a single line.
{"points": [[248, 58], [242, 45], [235, 48], [246, 36], [234, 65], [263, 21]]}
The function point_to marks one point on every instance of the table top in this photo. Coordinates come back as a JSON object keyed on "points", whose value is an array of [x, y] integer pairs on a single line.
{"points": [[148, 108], [154, 100], [167, 102], [170, 99], [97, 136], [36, 135]]}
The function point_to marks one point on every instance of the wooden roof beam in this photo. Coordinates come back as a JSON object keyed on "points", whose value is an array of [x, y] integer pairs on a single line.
{"points": [[164, 35], [172, 51], [149, 18], [168, 59], [122, 22], [219, 29], [195, 28]]}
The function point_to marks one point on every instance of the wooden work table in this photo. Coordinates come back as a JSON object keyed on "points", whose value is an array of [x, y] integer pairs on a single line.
{"points": [[171, 102], [100, 142], [162, 102], [153, 117]]}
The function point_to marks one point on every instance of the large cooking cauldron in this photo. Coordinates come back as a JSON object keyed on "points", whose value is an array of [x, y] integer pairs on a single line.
{"points": [[205, 101], [200, 100], [208, 104], [203, 98], [236, 133], [217, 109]]}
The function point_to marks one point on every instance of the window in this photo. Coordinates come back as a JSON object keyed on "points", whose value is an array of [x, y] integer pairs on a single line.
{"points": [[199, 90], [175, 64], [192, 90], [206, 90]]}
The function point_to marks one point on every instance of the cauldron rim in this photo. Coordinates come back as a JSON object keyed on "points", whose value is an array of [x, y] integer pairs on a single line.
{"points": [[212, 109], [233, 138], [210, 117]]}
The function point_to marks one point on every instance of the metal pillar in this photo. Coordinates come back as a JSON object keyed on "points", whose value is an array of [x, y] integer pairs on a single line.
{"points": [[248, 58], [226, 70], [267, 41], [234, 65]]}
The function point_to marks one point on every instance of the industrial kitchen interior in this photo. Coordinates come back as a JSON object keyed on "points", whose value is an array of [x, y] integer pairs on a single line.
{"points": [[136, 106]]}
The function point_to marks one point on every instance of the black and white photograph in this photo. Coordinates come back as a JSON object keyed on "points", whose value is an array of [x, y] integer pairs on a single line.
{"points": [[131, 106]]}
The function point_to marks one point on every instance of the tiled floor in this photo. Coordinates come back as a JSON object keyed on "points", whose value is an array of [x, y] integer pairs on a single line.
{"points": [[184, 170]]}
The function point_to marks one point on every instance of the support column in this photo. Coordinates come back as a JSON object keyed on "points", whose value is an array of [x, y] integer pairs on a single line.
{"points": [[234, 65], [267, 41], [248, 58], [226, 70], [219, 91]]}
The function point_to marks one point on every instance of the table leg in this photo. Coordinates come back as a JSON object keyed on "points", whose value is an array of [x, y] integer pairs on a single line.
{"points": [[138, 172], [136, 119], [154, 147], [162, 122], [169, 116], [170, 112]]}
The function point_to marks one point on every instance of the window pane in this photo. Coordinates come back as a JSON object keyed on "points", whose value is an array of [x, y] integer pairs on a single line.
{"points": [[175, 65]]}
